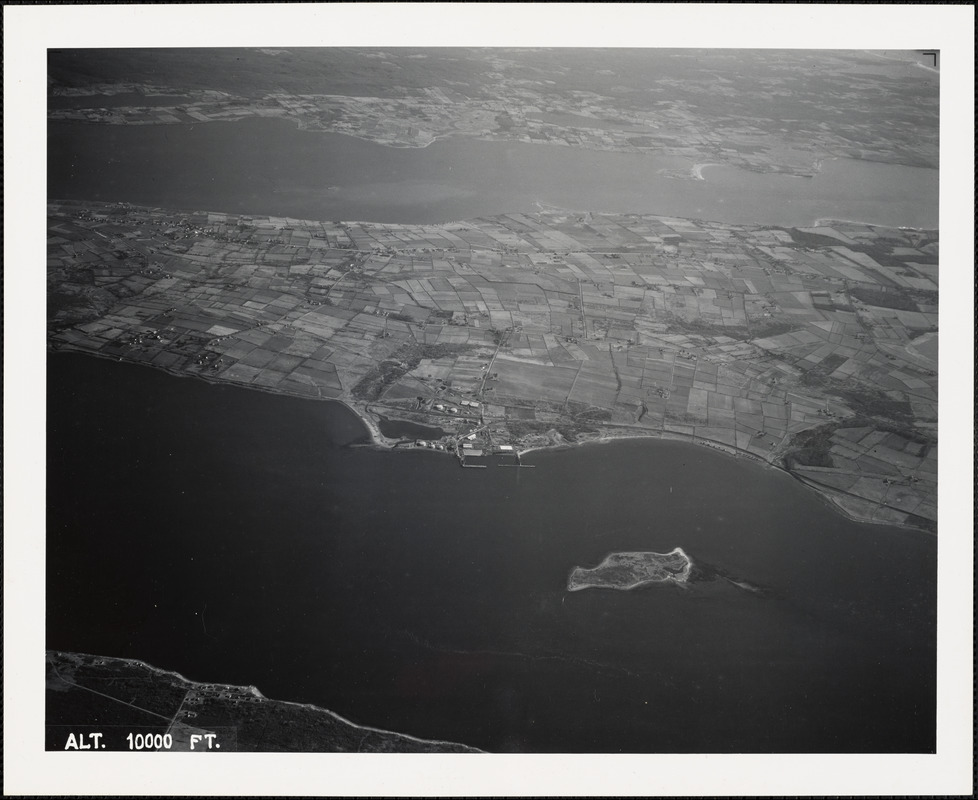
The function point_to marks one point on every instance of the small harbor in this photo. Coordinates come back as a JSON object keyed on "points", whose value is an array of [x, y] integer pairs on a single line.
{"points": [[477, 449]]}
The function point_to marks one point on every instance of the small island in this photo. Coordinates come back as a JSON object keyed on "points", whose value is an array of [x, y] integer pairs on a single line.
{"points": [[630, 570]]}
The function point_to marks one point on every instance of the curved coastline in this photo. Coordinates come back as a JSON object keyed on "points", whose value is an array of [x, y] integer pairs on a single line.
{"points": [[697, 169], [828, 494], [833, 497]]}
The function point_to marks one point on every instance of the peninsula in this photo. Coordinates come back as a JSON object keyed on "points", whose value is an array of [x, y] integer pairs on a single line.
{"points": [[631, 570], [799, 347]]}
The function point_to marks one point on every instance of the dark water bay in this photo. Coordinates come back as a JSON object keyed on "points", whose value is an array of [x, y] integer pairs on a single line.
{"points": [[230, 535], [268, 166]]}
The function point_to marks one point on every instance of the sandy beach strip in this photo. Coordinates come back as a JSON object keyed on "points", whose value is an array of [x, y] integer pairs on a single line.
{"points": [[697, 169]]}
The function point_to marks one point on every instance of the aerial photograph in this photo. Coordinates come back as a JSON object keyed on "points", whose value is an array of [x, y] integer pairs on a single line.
{"points": [[485, 399]]}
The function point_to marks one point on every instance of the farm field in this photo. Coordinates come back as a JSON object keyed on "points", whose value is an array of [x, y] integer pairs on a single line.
{"points": [[798, 347]]}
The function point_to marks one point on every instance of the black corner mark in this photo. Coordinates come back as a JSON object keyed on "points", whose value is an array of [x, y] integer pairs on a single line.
{"points": [[931, 53]]}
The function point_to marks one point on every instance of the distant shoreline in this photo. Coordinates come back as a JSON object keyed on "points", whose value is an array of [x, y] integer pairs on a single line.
{"points": [[252, 691], [827, 222]]}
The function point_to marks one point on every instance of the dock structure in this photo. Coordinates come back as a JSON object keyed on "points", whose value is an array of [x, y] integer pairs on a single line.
{"points": [[519, 462], [465, 445]]}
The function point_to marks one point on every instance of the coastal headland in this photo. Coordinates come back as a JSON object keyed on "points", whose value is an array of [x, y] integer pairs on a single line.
{"points": [[512, 333], [631, 570]]}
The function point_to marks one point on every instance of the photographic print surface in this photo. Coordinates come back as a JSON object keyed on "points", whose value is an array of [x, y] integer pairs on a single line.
{"points": [[539, 400]]}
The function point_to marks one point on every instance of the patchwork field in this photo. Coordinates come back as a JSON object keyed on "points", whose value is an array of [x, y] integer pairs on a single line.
{"points": [[809, 349]]}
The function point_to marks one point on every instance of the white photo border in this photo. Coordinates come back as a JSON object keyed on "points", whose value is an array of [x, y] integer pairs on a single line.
{"points": [[30, 30]]}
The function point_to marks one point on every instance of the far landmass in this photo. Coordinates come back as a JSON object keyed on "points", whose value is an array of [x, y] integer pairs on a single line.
{"points": [[631, 570], [97, 702], [763, 111]]}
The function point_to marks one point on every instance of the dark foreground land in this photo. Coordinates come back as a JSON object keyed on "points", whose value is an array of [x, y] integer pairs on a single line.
{"points": [[122, 704]]}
